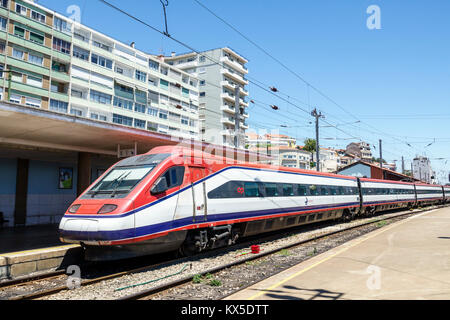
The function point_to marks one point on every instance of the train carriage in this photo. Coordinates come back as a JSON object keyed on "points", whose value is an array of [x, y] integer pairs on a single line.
{"points": [[379, 195], [446, 194], [429, 194], [173, 198]]}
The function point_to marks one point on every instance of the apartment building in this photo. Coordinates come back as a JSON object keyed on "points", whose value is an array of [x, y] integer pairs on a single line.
{"points": [[221, 72], [360, 150], [53, 63], [422, 169], [253, 139]]}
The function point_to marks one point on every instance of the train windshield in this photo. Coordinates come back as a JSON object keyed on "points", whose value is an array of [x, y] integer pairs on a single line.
{"points": [[125, 176]]}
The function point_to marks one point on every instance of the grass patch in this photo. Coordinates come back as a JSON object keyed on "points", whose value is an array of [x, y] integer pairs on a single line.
{"points": [[197, 279], [381, 224], [284, 252]]}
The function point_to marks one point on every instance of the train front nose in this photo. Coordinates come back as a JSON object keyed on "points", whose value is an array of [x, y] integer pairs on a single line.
{"points": [[98, 223]]}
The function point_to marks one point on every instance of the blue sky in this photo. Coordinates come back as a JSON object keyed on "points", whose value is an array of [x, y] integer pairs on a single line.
{"points": [[395, 80]]}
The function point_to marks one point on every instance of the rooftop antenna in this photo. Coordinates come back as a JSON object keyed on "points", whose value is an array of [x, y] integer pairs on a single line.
{"points": [[165, 3]]}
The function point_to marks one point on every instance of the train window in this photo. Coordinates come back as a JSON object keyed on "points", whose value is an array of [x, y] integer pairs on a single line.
{"points": [[231, 189], [301, 190], [313, 190], [333, 190], [251, 189], [324, 191], [174, 177], [271, 189], [120, 181], [288, 190]]}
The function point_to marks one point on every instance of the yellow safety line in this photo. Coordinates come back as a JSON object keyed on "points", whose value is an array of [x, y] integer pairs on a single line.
{"points": [[332, 256]]}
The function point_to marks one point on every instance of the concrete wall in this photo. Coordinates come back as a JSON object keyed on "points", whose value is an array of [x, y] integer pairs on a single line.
{"points": [[46, 203], [8, 171]]}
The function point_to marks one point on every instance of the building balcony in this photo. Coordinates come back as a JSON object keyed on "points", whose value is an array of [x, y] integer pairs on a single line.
{"points": [[228, 120], [244, 125], [234, 76], [227, 132], [231, 86], [234, 64], [228, 109]]}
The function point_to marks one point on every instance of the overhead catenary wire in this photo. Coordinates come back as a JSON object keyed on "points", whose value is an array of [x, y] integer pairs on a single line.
{"points": [[257, 83]]}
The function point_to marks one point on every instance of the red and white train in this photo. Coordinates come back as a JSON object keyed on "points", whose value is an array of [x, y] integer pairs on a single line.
{"points": [[175, 199]]}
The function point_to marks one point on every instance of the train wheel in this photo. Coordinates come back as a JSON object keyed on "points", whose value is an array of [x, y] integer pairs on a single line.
{"points": [[347, 216]]}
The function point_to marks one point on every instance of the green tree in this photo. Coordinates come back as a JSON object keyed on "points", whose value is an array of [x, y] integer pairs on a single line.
{"points": [[310, 146]]}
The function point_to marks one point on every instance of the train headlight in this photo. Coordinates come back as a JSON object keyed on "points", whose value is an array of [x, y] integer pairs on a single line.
{"points": [[74, 208], [107, 208]]}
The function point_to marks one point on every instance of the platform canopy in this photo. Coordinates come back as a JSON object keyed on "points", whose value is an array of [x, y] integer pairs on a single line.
{"points": [[37, 128]]}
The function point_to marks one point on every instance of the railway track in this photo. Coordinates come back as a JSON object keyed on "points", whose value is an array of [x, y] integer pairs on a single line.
{"points": [[61, 278], [160, 290]]}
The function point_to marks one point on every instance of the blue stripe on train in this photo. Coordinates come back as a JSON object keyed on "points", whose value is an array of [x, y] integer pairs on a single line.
{"points": [[188, 187], [167, 226]]}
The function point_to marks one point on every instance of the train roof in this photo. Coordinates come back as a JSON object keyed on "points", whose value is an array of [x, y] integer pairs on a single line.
{"points": [[226, 161]]}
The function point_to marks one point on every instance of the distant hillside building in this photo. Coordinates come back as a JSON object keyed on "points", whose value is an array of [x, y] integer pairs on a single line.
{"points": [[422, 169], [360, 150]]}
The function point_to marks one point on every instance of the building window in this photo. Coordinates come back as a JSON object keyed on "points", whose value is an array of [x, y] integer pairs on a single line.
{"points": [[14, 98], [152, 111], [34, 81], [33, 102], [141, 76], [202, 83], [4, 3], [119, 119], [61, 45], [119, 70], [141, 96], [34, 59], [153, 65], [163, 114], [101, 61], [2, 47], [151, 126], [18, 54], [164, 84], [21, 9], [202, 94], [139, 124], [76, 112], [3, 22], [122, 103], [17, 77], [58, 106], [202, 59], [100, 97], [19, 32], [185, 121], [101, 45], [80, 53], [140, 108], [37, 38], [37, 16], [77, 94], [61, 25]]}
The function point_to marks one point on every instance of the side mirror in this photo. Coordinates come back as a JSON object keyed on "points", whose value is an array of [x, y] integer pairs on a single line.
{"points": [[160, 186]]}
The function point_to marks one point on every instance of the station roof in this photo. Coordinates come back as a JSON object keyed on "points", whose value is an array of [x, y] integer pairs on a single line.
{"points": [[24, 126]]}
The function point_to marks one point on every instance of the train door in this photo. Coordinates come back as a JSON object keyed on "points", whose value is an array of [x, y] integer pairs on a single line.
{"points": [[192, 202], [200, 206]]}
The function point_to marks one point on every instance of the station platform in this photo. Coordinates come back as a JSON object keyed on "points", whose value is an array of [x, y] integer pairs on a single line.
{"points": [[406, 260], [28, 250], [28, 238]]}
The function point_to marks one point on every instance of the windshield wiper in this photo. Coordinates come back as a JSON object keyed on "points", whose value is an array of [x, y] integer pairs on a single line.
{"points": [[94, 193], [118, 184]]}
